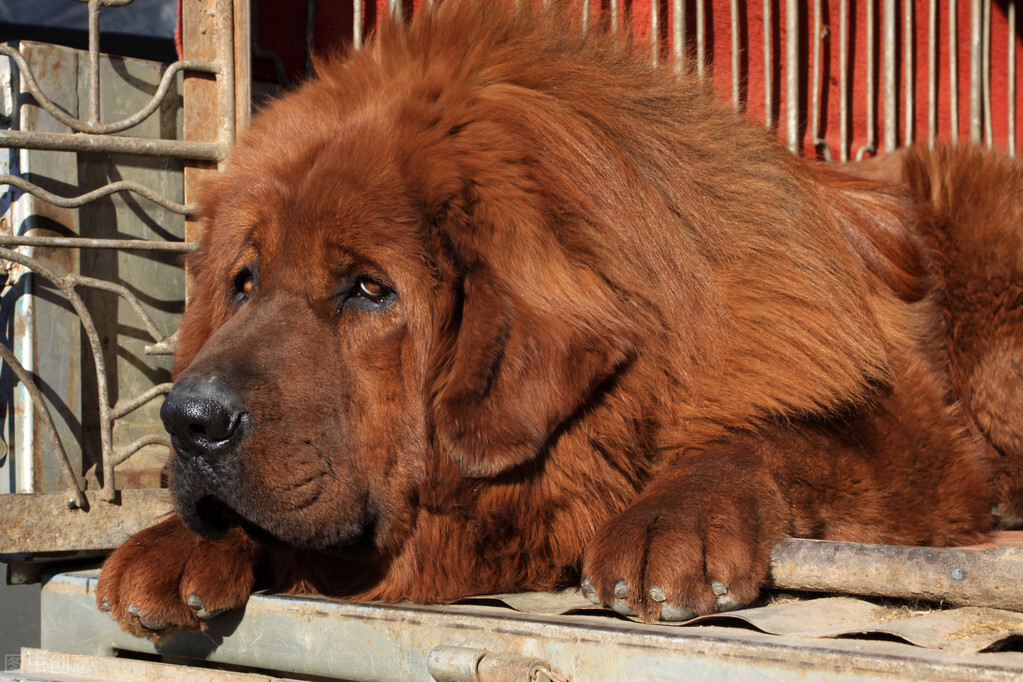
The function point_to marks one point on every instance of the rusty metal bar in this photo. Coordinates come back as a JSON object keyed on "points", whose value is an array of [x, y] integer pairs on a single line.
{"points": [[224, 28], [736, 76], [655, 31], [94, 126], [819, 144], [907, 63], [932, 72], [965, 577], [871, 145], [93, 61], [138, 444], [986, 76], [168, 346], [768, 68], [1010, 15], [843, 79], [976, 68], [678, 33], [75, 496], [357, 24], [615, 10], [83, 243], [586, 15], [113, 144], [792, 74], [129, 406], [888, 59], [242, 61], [82, 199], [701, 38], [953, 71]]}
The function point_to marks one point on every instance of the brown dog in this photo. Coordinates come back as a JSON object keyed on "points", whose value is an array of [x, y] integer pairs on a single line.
{"points": [[493, 306]]}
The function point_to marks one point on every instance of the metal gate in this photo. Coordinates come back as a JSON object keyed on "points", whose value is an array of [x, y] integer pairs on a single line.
{"points": [[93, 225]]}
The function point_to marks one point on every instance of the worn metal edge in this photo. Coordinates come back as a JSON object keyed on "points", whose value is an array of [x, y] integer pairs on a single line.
{"points": [[37, 664], [41, 522], [365, 641]]}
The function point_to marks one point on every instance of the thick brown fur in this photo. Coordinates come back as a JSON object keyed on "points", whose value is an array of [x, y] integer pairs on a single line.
{"points": [[624, 336]]}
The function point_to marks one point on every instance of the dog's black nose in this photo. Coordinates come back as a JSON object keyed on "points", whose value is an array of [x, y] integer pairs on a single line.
{"points": [[203, 417]]}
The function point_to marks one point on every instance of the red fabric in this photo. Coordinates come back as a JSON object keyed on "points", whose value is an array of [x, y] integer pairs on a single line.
{"points": [[282, 30]]}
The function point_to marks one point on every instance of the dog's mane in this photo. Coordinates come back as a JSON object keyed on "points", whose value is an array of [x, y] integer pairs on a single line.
{"points": [[767, 298]]}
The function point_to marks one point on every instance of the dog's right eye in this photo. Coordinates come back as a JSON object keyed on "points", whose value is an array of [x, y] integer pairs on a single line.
{"points": [[244, 284]]}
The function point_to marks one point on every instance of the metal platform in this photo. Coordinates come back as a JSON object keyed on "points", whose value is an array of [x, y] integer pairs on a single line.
{"points": [[278, 636]]}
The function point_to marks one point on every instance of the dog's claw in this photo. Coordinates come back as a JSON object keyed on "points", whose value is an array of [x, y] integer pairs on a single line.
{"points": [[718, 588], [147, 624], [622, 589], [673, 613], [106, 606], [590, 592], [619, 606], [657, 594], [726, 603], [195, 601]]}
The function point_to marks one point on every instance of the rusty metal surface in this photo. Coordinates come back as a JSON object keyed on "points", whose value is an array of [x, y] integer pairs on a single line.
{"points": [[363, 641], [986, 577], [35, 523]]}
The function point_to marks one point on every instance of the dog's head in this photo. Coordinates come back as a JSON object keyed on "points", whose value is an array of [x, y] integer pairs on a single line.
{"points": [[388, 293]]}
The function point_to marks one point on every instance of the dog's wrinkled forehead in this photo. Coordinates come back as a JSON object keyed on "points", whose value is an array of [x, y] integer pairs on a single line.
{"points": [[317, 201]]}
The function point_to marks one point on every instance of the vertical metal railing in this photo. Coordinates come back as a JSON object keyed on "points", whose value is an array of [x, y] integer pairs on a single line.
{"points": [[1010, 16], [903, 96]]}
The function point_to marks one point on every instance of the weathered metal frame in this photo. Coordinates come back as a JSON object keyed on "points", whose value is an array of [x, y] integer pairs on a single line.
{"points": [[360, 641], [202, 144]]}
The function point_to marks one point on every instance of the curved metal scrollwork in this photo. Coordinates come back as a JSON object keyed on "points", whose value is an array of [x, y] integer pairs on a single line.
{"points": [[95, 127], [67, 285], [89, 134]]}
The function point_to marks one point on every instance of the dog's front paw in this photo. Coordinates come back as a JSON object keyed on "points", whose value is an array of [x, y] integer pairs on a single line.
{"points": [[167, 577], [680, 551]]}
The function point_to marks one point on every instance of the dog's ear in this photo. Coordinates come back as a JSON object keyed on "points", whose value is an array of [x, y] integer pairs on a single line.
{"points": [[515, 373]]}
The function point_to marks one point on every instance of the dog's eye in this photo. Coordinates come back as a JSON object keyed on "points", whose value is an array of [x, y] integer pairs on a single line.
{"points": [[374, 291], [244, 284], [369, 294]]}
